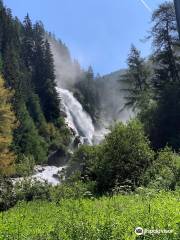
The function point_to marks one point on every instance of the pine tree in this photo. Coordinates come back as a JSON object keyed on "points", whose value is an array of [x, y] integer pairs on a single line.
{"points": [[165, 39], [28, 42], [7, 125], [38, 77], [136, 80], [90, 74], [166, 80], [51, 99], [44, 77]]}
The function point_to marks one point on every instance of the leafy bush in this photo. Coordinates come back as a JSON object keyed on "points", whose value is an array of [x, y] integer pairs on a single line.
{"points": [[7, 194], [71, 190], [58, 137], [164, 173], [84, 160], [29, 190], [25, 165], [124, 156]]}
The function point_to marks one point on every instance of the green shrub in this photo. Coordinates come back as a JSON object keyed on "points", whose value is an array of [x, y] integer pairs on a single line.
{"points": [[30, 189], [25, 165], [124, 156], [7, 194], [164, 172], [71, 190], [58, 137], [84, 160]]}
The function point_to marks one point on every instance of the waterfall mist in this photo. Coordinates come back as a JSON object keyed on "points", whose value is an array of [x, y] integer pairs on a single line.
{"points": [[67, 71], [112, 100]]}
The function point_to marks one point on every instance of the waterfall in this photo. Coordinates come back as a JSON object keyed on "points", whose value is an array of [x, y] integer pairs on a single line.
{"points": [[76, 118], [80, 123]]}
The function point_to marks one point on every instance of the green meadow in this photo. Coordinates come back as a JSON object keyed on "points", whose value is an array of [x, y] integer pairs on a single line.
{"points": [[94, 219]]}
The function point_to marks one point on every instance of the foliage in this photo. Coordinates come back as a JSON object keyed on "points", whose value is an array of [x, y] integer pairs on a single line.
{"points": [[24, 166], [124, 156], [137, 80], [164, 171], [29, 190], [105, 218], [84, 160], [125, 161], [7, 194], [147, 117], [71, 190], [58, 136], [28, 141], [43, 76], [153, 85], [165, 80], [7, 125]]}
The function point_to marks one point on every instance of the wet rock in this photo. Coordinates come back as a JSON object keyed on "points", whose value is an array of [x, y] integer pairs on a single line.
{"points": [[73, 131], [77, 141], [57, 158], [55, 176], [41, 170], [63, 114]]}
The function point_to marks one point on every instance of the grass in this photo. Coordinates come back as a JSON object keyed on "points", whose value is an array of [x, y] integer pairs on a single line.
{"points": [[99, 219]]}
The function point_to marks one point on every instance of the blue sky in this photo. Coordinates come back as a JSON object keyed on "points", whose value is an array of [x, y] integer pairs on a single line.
{"points": [[97, 32]]}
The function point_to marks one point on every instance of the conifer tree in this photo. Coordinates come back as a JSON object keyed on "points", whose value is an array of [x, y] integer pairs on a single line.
{"points": [[7, 125], [165, 38], [51, 99], [28, 42], [166, 80], [136, 80], [44, 77]]}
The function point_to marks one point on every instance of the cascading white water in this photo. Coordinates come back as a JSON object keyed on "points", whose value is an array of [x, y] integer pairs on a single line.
{"points": [[80, 122], [76, 117]]}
